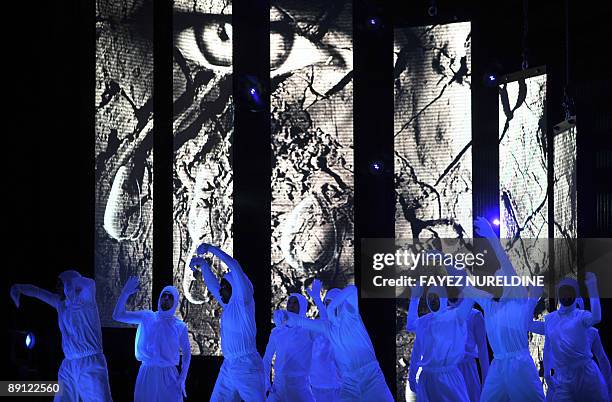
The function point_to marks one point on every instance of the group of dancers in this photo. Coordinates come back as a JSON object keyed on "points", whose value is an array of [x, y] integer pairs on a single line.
{"points": [[331, 358], [450, 338]]}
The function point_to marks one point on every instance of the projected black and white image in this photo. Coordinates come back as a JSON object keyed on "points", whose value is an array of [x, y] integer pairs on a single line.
{"points": [[123, 153], [312, 137], [433, 155], [523, 180], [202, 174], [565, 202]]}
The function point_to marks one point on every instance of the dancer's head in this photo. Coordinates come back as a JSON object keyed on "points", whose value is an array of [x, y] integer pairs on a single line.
{"points": [[168, 301], [297, 304], [567, 292], [437, 300], [64, 284]]}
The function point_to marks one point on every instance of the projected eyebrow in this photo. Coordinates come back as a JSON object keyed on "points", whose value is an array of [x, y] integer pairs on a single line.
{"points": [[206, 39]]}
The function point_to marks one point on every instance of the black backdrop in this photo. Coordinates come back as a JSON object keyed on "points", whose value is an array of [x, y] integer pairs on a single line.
{"points": [[48, 150]]}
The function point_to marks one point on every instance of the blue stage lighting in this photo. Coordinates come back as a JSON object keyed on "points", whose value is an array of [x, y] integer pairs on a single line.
{"points": [[376, 167], [30, 340], [495, 222]]}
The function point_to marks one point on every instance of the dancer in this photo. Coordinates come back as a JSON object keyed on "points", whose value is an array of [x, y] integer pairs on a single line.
{"points": [[512, 375], [324, 378], [569, 348], [441, 338], [242, 373], [362, 379], [475, 347], [293, 349], [160, 339], [83, 373]]}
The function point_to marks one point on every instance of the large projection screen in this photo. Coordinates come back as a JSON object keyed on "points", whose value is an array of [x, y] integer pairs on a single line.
{"points": [[523, 177], [123, 154], [433, 154], [311, 57], [203, 124]]}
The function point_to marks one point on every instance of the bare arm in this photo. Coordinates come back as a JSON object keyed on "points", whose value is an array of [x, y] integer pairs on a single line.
{"points": [[52, 299], [120, 314]]}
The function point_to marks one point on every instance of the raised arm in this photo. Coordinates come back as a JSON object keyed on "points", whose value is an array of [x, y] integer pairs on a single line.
{"points": [[242, 285], [483, 228], [52, 299], [185, 359], [413, 308], [120, 314], [315, 294], [591, 285], [199, 264]]}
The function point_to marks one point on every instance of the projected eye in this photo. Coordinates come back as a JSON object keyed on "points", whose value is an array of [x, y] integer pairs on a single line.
{"points": [[207, 41]]}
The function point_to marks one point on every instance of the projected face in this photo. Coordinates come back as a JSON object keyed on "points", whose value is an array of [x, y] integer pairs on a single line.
{"points": [[123, 152], [312, 137], [203, 126]]}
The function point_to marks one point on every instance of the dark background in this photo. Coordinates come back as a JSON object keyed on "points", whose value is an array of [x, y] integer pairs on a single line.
{"points": [[48, 146]]}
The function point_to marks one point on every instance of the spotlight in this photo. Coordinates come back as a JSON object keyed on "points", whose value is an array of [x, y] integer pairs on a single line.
{"points": [[496, 222], [252, 93], [377, 167], [30, 340], [372, 21], [490, 79]]}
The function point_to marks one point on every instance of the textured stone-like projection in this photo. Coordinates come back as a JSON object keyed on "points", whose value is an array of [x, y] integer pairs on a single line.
{"points": [[433, 138], [564, 201], [123, 152], [523, 180], [203, 181], [311, 59]]}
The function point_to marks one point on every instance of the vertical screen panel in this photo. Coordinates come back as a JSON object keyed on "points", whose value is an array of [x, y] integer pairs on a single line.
{"points": [[311, 61], [433, 138], [523, 180], [202, 174], [565, 207], [123, 154]]}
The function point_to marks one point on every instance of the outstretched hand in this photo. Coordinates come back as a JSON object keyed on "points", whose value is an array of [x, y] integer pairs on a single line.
{"points": [[483, 228], [197, 263], [132, 285], [15, 294]]}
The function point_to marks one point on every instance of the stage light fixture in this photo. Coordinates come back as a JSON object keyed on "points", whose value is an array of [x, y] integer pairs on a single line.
{"points": [[30, 340], [496, 222], [377, 167]]}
